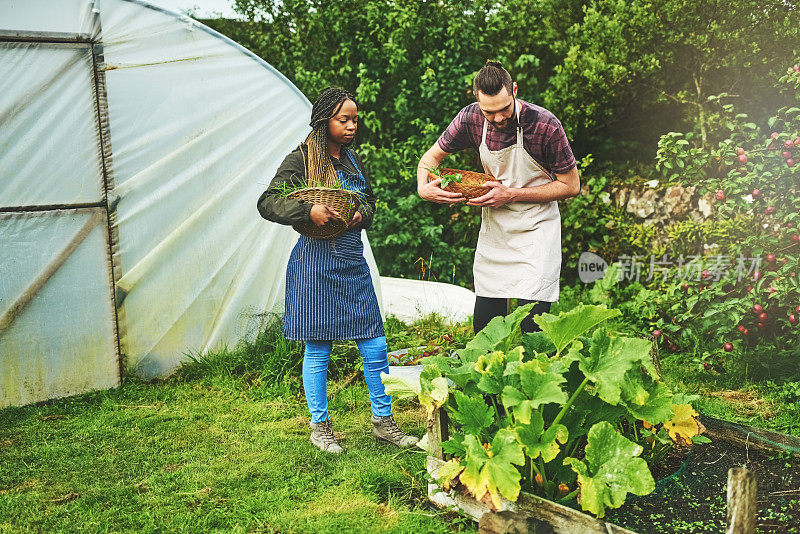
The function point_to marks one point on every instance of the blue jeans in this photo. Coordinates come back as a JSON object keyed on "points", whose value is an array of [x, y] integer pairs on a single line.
{"points": [[315, 375]]}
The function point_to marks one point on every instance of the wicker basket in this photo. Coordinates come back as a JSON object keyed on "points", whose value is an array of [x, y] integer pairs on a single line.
{"points": [[470, 185], [343, 201]]}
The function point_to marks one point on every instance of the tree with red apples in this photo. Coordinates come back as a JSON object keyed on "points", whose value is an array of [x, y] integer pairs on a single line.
{"points": [[752, 176]]}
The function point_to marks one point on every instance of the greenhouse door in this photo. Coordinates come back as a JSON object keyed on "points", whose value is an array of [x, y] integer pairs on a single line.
{"points": [[58, 328]]}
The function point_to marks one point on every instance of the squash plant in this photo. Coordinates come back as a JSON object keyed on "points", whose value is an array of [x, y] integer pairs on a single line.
{"points": [[555, 412]]}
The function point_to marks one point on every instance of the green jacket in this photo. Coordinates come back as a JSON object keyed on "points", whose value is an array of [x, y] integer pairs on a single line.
{"points": [[277, 208]]}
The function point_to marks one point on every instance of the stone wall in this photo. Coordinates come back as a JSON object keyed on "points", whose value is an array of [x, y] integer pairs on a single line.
{"points": [[658, 205]]}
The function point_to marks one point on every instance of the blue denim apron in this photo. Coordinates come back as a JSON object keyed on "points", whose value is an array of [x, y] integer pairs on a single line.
{"points": [[329, 292]]}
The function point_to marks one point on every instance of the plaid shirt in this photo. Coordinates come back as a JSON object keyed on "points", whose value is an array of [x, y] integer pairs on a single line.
{"points": [[542, 135]]}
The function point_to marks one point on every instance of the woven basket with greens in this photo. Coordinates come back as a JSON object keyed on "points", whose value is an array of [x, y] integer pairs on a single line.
{"points": [[468, 183]]}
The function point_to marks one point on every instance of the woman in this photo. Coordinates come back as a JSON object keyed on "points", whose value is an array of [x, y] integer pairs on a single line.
{"points": [[329, 293]]}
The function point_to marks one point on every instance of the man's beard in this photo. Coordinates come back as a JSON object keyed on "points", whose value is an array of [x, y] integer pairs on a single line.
{"points": [[509, 123], [506, 125]]}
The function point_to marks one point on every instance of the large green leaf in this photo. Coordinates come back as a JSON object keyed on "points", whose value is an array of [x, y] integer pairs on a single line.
{"points": [[455, 445], [473, 414], [645, 398], [537, 441], [541, 382], [563, 328], [430, 390], [611, 470], [399, 387], [493, 470], [465, 376], [588, 410], [492, 368], [500, 334], [448, 471], [608, 361], [538, 342]]}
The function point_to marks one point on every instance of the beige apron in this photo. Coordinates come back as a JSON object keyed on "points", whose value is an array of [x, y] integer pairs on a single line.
{"points": [[519, 245]]}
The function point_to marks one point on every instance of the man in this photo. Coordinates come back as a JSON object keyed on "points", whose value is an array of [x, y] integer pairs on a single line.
{"points": [[524, 146]]}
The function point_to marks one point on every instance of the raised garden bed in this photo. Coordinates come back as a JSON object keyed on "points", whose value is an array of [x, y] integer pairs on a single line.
{"points": [[689, 496], [692, 497], [529, 514]]}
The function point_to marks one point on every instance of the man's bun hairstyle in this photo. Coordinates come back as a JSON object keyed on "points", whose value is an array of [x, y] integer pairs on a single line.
{"points": [[491, 78]]}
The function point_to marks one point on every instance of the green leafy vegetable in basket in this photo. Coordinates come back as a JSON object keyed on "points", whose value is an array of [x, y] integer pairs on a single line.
{"points": [[290, 186], [447, 179]]}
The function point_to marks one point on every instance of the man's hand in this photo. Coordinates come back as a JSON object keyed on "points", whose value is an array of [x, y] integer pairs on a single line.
{"points": [[356, 219], [433, 191], [498, 195], [321, 214]]}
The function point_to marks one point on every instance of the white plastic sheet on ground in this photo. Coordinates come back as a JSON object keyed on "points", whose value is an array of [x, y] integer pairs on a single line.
{"points": [[197, 127], [409, 300]]}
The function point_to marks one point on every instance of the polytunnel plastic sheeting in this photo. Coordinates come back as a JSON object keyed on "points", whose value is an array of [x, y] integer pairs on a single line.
{"points": [[57, 334], [48, 16], [49, 141], [198, 128], [193, 128]]}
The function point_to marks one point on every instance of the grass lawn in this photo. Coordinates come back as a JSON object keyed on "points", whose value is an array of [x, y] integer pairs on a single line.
{"points": [[184, 455]]}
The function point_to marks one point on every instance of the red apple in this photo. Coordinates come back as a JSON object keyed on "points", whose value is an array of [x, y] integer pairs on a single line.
{"points": [[762, 317], [745, 332], [795, 238], [769, 210], [770, 258], [772, 290], [797, 309], [656, 333], [774, 135], [756, 193], [728, 347], [760, 325], [786, 154], [796, 68], [757, 275], [788, 143], [789, 225], [740, 151], [758, 309], [790, 162], [792, 319], [720, 194], [742, 158], [749, 289], [686, 286], [740, 328]]}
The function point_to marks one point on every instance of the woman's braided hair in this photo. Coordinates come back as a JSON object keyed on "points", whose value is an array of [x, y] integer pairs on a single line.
{"points": [[320, 171]]}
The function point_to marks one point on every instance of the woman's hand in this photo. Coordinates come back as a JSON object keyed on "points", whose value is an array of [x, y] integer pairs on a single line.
{"points": [[321, 214], [356, 219], [433, 191]]}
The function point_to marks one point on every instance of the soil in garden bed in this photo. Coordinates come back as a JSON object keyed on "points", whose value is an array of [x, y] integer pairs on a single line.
{"points": [[693, 498]]}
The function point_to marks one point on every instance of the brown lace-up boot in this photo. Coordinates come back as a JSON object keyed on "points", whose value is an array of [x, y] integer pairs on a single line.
{"points": [[322, 437], [385, 429]]}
